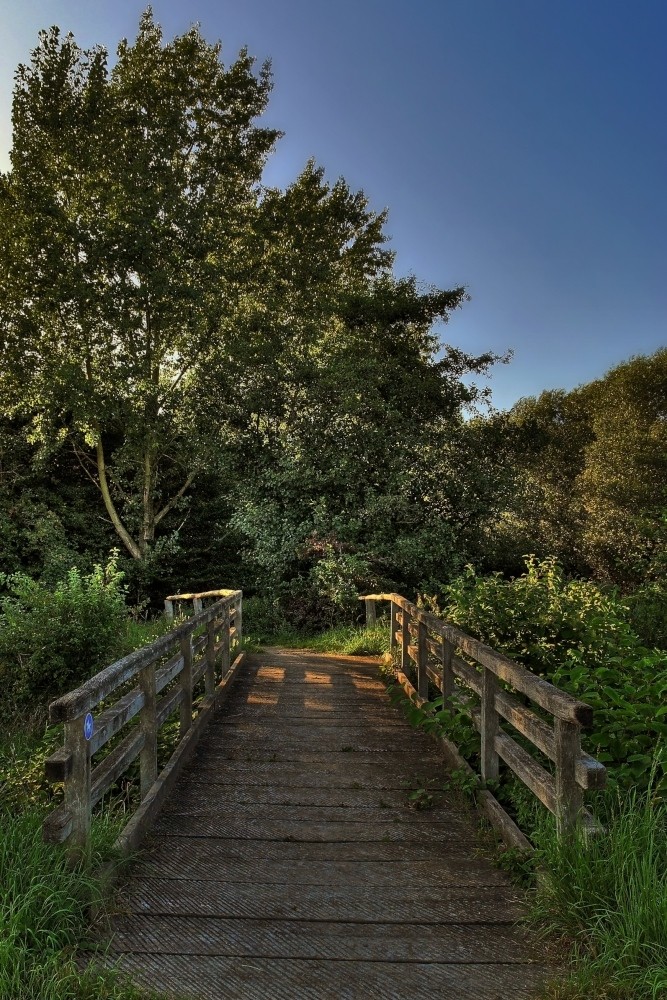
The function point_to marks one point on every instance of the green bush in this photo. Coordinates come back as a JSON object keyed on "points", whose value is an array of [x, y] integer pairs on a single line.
{"points": [[648, 612], [53, 639], [579, 637]]}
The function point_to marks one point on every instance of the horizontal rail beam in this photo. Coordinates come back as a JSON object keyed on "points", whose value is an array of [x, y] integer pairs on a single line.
{"points": [[76, 703], [542, 692]]}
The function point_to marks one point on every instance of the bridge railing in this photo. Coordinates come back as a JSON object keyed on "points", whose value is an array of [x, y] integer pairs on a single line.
{"points": [[495, 691], [153, 683]]}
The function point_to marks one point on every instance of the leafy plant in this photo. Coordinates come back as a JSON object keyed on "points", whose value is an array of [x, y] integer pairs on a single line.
{"points": [[580, 637], [52, 639]]}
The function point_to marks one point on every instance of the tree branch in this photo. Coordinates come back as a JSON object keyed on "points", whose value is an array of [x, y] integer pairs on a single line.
{"points": [[177, 496], [121, 530]]}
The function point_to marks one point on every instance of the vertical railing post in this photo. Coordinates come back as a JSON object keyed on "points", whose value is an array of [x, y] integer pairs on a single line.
{"points": [[370, 613], [196, 605], [405, 640], [489, 758], [209, 677], [238, 619], [569, 796], [148, 726], [392, 626], [169, 610], [447, 676], [422, 660], [225, 639], [186, 684], [77, 788]]}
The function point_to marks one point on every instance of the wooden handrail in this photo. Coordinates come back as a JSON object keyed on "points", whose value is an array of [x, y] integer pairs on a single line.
{"points": [[477, 689], [168, 662]]}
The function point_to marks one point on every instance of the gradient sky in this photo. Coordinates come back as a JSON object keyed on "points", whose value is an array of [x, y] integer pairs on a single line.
{"points": [[519, 145]]}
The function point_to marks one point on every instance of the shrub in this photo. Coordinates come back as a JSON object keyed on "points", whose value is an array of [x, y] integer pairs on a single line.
{"points": [[581, 638], [52, 639]]}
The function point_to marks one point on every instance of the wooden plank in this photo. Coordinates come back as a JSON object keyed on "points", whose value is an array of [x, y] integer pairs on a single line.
{"points": [[589, 772], [540, 782], [186, 685], [203, 593], [393, 625], [569, 798], [168, 671], [168, 704], [398, 905], [546, 695], [416, 942], [112, 720], [199, 668], [370, 614], [57, 826], [148, 726], [421, 660], [115, 764], [489, 763], [58, 766], [222, 978], [77, 787]]}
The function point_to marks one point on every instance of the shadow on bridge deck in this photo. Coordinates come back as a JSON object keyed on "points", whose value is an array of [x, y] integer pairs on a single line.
{"points": [[287, 864]]}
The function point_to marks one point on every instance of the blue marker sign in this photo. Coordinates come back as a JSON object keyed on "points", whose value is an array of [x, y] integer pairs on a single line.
{"points": [[88, 726]]}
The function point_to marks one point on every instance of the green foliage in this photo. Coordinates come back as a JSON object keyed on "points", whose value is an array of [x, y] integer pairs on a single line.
{"points": [[44, 915], [349, 640], [51, 639], [607, 896], [589, 477], [580, 638], [648, 612]]}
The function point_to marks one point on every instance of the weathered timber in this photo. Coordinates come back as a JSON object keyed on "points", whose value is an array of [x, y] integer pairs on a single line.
{"points": [[569, 799], [313, 864], [549, 697], [185, 679], [489, 727], [115, 763], [58, 766], [109, 722], [148, 727], [57, 826], [154, 667], [76, 703], [168, 704]]}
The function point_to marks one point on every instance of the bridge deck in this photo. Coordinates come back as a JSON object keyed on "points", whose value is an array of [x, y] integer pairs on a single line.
{"points": [[288, 864]]}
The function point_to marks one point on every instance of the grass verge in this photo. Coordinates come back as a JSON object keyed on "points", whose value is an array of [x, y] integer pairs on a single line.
{"points": [[44, 907], [348, 640], [606, 897]]}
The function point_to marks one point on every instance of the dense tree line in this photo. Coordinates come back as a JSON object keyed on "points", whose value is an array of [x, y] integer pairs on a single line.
{"points": [[229, 382]]}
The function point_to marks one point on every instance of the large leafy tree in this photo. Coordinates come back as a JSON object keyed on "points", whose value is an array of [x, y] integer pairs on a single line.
{"points": [[172, 319], [125, 217]]}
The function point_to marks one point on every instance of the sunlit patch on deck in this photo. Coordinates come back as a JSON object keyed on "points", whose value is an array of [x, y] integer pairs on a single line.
{"points": [[271, 673]]}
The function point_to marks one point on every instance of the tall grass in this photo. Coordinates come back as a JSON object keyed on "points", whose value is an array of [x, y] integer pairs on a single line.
{"points": [[44, 905], [607, 896], [349, 640]]}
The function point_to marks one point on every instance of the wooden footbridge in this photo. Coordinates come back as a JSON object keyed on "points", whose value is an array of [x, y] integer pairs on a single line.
{"points": [[280, 855]]}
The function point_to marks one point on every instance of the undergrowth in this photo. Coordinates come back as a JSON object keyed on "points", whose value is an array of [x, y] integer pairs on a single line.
{"points": [[44, 907], [606, 897], [348, 640]]}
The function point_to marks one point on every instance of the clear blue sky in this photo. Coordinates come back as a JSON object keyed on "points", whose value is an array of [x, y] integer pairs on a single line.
{"points": [[519, 145]]}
